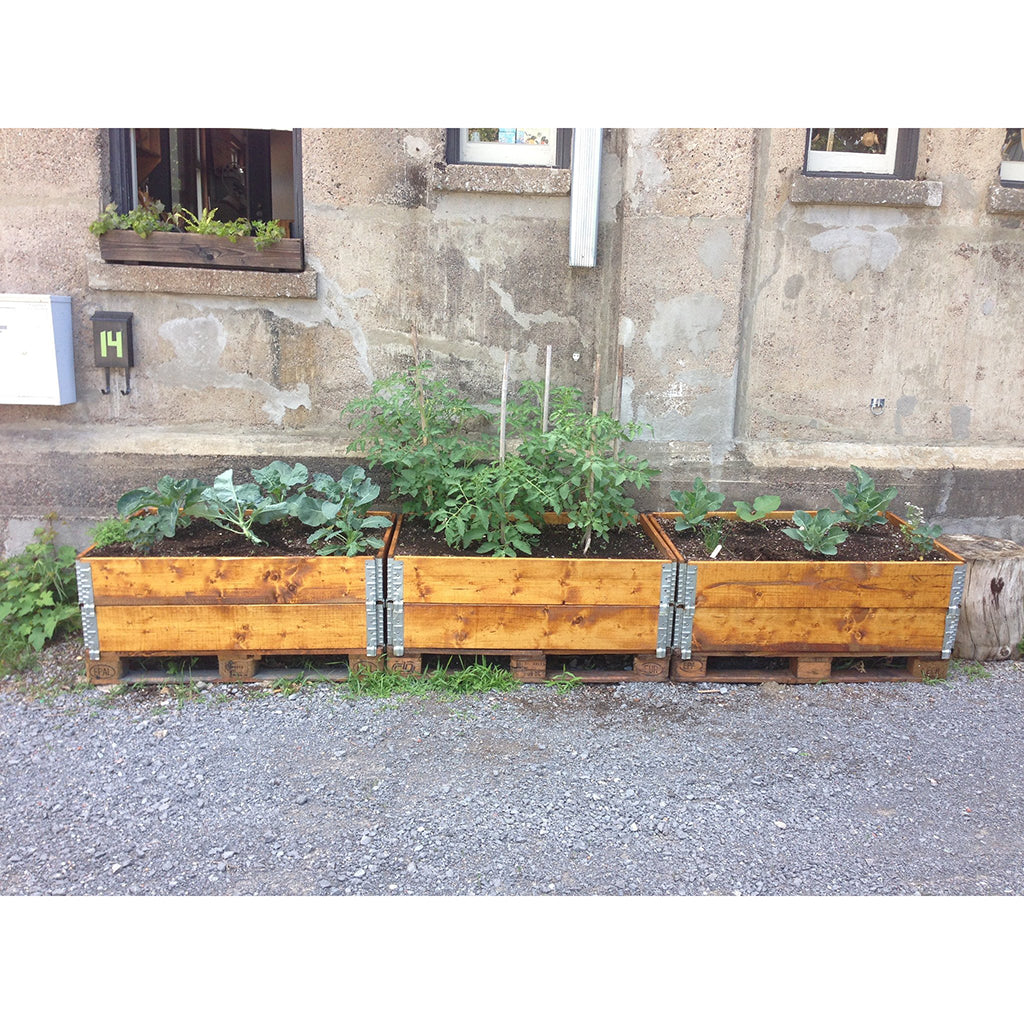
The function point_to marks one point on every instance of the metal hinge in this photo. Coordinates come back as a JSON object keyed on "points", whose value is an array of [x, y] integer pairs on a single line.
{"points": [[374, 606], [87, 602], [956, 593], [395, 605], [666, 608], [685, 602]]}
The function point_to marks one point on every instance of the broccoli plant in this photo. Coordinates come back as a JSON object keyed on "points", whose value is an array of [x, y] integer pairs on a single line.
{"points": [[862, 503], [694, 505], [820, 532]]}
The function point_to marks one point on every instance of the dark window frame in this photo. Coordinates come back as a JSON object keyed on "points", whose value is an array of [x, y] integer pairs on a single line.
{"points": [[905, 169], [121, 173], [453, 155]]}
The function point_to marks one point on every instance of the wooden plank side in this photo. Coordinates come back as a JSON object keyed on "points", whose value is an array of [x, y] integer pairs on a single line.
{"points": [[532, 581], [823, 584], [248, 580], [556, 629], [772, 631], [294, 628], [200, 250]]}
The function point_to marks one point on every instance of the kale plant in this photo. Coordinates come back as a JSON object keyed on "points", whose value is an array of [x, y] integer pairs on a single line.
{"points": [[694, 505], [862, 503], [820, 532]]}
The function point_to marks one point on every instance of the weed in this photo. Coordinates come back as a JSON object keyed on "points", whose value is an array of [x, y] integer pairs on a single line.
{"points": [[564, 682], [38, 598], [917, 532], [974, 669]]}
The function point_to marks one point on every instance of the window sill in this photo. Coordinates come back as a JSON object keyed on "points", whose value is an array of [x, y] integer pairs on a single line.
{"points": [[1002, 199], [842, 191], [254, 284], [526, 181]]}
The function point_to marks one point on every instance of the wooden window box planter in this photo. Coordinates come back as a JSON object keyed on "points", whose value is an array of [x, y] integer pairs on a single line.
{"points": [[461, 604], [175, 248], [828, 608], [236, 608]]}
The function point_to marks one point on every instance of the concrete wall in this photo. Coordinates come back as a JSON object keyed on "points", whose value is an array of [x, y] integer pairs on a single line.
{"points": [[759, 313]]}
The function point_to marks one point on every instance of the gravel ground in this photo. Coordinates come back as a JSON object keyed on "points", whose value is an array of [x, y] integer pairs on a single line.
{"points": [[637, 789]]}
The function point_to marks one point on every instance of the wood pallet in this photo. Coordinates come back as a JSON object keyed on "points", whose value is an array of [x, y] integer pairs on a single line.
{"points": [[542, 666], [225, 666], [806, 668]]}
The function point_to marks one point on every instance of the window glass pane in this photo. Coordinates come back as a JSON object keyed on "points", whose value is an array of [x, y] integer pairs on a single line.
{"points": [[1011, 146], [849, 140], [511, 136]]}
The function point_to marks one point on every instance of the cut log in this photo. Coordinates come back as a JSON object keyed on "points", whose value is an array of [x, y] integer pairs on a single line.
{"points": [[992, 608]]}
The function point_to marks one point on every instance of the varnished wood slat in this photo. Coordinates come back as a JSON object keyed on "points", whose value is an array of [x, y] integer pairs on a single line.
{"points": [[822, 584], [531, 581], [297, 628], [249, 580], [771, 631], [190, 249], [556, 629]]}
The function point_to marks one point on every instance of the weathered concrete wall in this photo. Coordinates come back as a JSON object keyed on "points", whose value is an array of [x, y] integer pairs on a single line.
{"points": [[756, 325]]}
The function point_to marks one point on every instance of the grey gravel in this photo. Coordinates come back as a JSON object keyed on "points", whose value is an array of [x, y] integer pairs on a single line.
{"points": [[639, 789]]}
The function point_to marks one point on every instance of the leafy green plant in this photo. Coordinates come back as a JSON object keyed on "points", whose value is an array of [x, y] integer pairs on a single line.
{"points": [[917, 532], [763, 505], [153, 513], [110, 531], [146, 218], [820, 532], [862, 503], [279, 479], [711, 533], [238, 508], [266, 233], [336, 509], [694, 505], [421, 431], [579, 462], [38, 598]]}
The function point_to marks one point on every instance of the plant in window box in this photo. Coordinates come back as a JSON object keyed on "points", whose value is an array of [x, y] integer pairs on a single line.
{"points": [[149, 235], [288, 564], [533, 551], [811, 587]]}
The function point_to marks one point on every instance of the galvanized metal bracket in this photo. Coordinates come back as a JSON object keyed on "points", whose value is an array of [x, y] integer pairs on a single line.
{"points": [[374, 606], [87, 602], [395, 605], [956, 593], [666, 608], [685, 603]]}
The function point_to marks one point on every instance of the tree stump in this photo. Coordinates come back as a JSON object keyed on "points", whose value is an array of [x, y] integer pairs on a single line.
{"points": [[992, 609]]}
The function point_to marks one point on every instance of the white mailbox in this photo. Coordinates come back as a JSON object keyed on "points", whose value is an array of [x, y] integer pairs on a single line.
{"points": [[37, 362]]}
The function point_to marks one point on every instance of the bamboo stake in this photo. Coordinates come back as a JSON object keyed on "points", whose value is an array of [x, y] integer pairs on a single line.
{"points": [[504, 410], [617, 399], [547, 390], [420, 397], [588, 534]]}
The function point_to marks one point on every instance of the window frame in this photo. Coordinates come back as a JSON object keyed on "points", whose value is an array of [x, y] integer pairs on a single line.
{"points": [[1011, 172], [122, 170], [904, 159], [562, 151]]}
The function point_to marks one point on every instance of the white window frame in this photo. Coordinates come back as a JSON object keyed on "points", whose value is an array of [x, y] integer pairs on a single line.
{"points": [[508, 153], [1011, 172], [822, 162]]}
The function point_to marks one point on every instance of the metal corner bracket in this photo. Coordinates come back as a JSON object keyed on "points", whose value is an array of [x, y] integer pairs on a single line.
{"points": [[87, 602], [956, 593], [395, 607]]}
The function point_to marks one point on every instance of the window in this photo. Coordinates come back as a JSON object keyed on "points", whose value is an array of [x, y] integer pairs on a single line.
{"points": [[1011, 168], [862, 152], [240, 172], [531, 147]]}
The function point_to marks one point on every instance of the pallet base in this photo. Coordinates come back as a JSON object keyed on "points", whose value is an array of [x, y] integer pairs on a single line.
{"points": [[542, 667], [810, 668], [224, 667]]}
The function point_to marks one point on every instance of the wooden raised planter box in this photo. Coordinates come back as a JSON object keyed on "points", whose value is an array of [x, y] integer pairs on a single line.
{"points": [[531, 607], [194, 250], [237, 608], [811, 612]]}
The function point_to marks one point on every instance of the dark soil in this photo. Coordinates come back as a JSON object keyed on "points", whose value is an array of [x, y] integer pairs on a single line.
{"points": [[202, 538], [415, 537], [750, 542]]}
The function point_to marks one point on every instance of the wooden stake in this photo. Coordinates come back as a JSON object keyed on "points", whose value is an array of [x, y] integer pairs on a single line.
{"points": [[588, 534], [547, 390], [420, 397], [504, 410]]}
